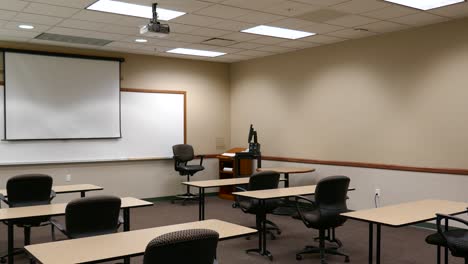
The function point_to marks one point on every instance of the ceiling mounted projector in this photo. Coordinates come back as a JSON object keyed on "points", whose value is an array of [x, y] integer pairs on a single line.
{"points": [[155, 28]]}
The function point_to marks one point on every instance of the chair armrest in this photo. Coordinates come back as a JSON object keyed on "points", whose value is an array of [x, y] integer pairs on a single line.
{"points": [[448, 217], [201, 158], [241, 189], [52, 195], [309, 201], [58, 226], [4, 199]]}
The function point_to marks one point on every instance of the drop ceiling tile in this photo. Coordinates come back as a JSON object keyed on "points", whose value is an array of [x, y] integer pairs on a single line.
{"points": [[253, 4], [196, 20], [297, 44], [189, 38], [360, 6], [275, 49], [181, 28], [7, 15], [246, 45], [37, 19], [384, 26], [209, 32], [455, 11], [50, 10], [69, 31], [322, 2], [154, 48], [228, 49], [81, 24], [202, 47], [13, 39], [291, 9], [321, 28], [108, 36], [18, 33], [118, 29], [132, 21], [167, 43], [390, 12], [239, 36], [254, 53], [232, 25], [231, 58], [256, 17], [13, 25], [351, 33], [352, 21], [222, 11], [323, 39], [268, 40], [419, 19], [13, 5], [67, 3], [62, 44], [3, 22], [126, 45], [291, 23]]}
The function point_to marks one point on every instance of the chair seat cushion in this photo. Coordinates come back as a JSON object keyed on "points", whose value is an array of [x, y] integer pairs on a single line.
{"points": [[456, 237], [253, 206], [191, 168]]}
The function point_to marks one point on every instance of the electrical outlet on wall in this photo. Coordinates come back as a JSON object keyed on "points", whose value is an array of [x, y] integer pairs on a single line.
{"points": [[68, 177], [377, 192]]}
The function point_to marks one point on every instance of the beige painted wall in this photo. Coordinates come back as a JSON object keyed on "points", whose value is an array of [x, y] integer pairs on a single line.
{"points": [[208, 115], [398, 98]]}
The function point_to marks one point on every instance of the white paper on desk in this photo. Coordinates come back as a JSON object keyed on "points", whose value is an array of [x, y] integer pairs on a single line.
{"points": [[229, 154], [227, 169]]}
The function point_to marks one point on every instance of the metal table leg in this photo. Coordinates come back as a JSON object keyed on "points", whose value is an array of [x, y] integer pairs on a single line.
{"points": [[126, 227], [83, 194], [201, 204], [377, 250], [10, 242], [371, 243]]}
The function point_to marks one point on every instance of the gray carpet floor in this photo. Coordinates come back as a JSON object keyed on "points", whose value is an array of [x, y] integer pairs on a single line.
{"points": [[399, 245]]}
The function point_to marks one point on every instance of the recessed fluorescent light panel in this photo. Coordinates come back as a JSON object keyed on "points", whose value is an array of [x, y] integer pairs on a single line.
{"points": [[278, 32], [203, 53], [26, 27], [425, 4], [122, 8]]}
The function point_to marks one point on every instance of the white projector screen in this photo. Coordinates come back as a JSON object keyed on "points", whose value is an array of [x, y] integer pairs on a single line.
{"points": [[58, 97]]}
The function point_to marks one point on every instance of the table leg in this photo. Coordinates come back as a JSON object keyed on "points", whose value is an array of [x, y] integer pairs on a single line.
{"points": [[83, 194], [286, 182], [377, 250], [126, 215], [371, 242], [261, 222], [446, 248], [10, 242], [201, 204]]}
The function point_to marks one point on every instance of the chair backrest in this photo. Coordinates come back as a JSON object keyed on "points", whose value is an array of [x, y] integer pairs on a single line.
{"points": [[29, 189], [263, 180], [95, 215], [331, 192], [183, 152], [194, 246]]}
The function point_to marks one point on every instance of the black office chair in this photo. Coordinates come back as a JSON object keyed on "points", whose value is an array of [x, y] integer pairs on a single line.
{"points": [[91, 216], [261, 181], [184, 153], [456, 240], [330, 202], [194, 246], [28, 190]]}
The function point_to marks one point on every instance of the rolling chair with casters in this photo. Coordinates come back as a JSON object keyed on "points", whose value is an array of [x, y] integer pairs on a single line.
{"points": [[28, 190], [260, 181], [91, 216], [184, 153], [455, 240], [194, 246], [330, 202]]}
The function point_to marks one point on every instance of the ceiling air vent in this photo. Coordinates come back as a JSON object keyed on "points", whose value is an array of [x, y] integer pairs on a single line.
{"points": [[73, 39], [219, 42]]}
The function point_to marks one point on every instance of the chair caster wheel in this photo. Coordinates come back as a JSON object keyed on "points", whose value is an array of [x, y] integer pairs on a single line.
{"points": [[234, 205], [298, 257], [346, 259], [278, 232]]}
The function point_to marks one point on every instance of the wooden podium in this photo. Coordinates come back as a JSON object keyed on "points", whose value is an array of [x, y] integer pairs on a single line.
{"points": [[228, 168]]}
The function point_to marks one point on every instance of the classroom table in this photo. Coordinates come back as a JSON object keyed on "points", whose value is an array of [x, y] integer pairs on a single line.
{"points": [[403, 214], [124, 244], [286, 207], [54, 210], [81, 188], [262, 196], [202, 185]]}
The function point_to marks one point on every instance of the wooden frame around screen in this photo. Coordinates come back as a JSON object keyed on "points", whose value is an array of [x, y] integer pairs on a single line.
{"points": [[135, 90]]}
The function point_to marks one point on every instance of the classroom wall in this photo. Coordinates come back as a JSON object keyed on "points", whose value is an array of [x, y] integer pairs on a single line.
{"points": [[398, 98], [208, 115]]}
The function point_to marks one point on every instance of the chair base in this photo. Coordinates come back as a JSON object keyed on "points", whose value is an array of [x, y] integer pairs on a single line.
{"points": [[269, 230], [331, 238], [185, 197], [265, 253], [315, 250], [16, 251]]}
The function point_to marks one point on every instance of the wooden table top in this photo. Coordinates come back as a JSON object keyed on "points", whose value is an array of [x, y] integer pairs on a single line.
{"points": [[219, 182], [69, 188], [122, 244], [287, 169], [280, 192], [58, 209], [408, 213]]}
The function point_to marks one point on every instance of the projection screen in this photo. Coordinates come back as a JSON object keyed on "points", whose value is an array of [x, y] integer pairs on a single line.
{"points": [[58, 97]]}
